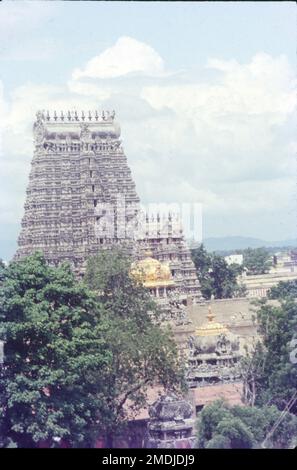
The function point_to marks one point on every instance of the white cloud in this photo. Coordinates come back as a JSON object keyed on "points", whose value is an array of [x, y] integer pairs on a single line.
{"points": [[228, 143], [235, 124], [127, 56], [21, 30], [89, 89], [2, 109], [20, 17], [17, 116], [265, 85]]}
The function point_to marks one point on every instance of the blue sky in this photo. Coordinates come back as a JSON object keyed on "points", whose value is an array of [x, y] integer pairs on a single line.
{"points": [[205, 94]]}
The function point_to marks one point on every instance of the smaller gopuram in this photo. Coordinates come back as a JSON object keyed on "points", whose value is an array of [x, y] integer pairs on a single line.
{"points": [[171, 424], [214, 354], [162, 233], [157, 277]]}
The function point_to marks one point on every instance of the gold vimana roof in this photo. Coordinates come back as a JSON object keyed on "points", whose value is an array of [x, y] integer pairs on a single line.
{"points": [[211, 328], [151, 272]]}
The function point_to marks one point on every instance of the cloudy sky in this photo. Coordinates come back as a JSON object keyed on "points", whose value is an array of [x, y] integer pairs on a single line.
{"points": [[204, 92]]}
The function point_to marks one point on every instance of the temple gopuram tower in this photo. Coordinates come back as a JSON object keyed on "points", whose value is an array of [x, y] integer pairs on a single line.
{"points": [[81, 198], [77, 173]]}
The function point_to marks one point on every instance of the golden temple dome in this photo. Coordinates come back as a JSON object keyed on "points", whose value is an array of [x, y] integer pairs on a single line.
{"points": [[151, 272], [211, 327]]}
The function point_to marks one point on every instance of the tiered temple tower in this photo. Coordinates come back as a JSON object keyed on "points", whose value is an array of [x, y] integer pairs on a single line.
{"points": [[81, 198], [78, 171], [163, 234]]}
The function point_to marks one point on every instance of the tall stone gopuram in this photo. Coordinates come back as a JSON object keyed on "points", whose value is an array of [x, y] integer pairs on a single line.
{"points": [[81, 198]]}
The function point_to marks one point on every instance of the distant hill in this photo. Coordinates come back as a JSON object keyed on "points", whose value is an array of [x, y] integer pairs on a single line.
{"points": [[222, 245], [240, 243]]}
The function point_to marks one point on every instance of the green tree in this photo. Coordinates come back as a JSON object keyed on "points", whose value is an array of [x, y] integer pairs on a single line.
{"points": [[54, 344], [219, 442], [218, 426], [270, 366], [208, 421], [237, 432], [215, 276], [264, 422], [223, 426], [283, 290], [2, 270], [257, 260], [143, 352], [252, 370]]}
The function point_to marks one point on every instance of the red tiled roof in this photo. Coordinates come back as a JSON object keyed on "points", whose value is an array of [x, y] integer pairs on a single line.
{"points": [[231, 392]]}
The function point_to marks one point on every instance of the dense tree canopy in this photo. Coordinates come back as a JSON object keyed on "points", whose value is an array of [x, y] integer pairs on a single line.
{"points": [[2, 269], [79, 356], [269, 371], [143, 353], [257, 260], [231, 427], [283, 290], [53, 345], [215, 276]]}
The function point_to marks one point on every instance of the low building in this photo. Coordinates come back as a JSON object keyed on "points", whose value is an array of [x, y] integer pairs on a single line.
{"points": [[234, 259], [284, 262], [258, 285]]}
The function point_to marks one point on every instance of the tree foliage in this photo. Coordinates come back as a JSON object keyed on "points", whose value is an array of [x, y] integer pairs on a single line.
{"points": [[76, 357], [223, 426], [54, 344], [257, 260], [143, 353], [216, 278], [270, 367], [283, 290], [2, 270]]}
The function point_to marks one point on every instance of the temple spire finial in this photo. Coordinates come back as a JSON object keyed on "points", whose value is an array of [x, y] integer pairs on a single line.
{"points": [[210, 316]]}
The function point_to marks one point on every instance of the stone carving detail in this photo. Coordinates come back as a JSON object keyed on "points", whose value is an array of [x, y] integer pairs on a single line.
{"points": [[85, 132], [107, 116], [39, 128], [171, 423], [223, 345], [178, 311], [170, 408], [214, 355]]}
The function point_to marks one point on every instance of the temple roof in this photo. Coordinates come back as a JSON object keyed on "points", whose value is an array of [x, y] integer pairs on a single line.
{"points": [[152, 273], [211, 327], [80, 124]]}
